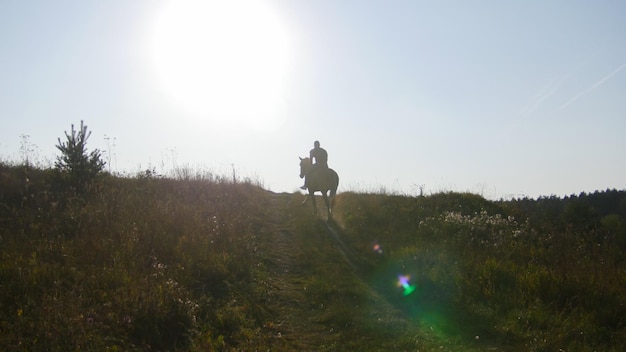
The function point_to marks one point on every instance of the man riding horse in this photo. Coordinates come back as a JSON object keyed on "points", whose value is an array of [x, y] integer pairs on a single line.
{"points": [[319, 178], [320, 156]]}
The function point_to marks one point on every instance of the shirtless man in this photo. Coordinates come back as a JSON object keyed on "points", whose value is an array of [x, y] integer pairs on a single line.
{"points": [[320, 156]]}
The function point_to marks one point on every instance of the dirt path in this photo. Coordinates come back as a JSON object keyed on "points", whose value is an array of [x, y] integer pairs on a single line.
{"points": [[296, 252], [295, 324]]}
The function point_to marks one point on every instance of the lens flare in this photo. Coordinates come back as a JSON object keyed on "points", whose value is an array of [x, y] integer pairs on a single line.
{"points": [[403, 282]]}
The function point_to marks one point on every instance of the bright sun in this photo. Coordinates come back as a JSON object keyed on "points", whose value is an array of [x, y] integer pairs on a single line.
{"points": [[223, 60]]}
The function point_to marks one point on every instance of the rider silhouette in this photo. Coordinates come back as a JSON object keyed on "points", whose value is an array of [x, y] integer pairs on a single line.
{"points": [[320, 156]]}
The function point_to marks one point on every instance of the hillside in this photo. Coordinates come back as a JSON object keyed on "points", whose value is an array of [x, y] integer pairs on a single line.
{"points": [[202, 263]]}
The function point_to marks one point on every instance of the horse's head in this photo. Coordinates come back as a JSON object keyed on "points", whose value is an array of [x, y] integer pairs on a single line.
{"points": [[305, 165]]}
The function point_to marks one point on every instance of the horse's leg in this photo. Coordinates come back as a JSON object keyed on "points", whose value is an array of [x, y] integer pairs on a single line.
{"points": [[325, 196]]}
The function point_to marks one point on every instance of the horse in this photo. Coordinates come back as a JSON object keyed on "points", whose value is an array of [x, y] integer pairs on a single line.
{"points": [[319, 180]]}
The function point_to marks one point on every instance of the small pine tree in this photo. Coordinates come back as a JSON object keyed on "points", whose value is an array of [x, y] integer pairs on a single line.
{"points": [[74, 161]]}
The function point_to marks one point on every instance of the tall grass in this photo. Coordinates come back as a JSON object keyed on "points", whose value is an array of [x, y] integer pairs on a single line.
{"points": [[499, 278], [138, 263], [189, 261]]}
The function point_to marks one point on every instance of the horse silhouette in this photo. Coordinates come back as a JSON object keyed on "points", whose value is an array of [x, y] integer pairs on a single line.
{"points": [[319, 180]]}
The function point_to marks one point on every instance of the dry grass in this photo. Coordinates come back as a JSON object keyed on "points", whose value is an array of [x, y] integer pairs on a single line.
{"points": [[201, 262]]}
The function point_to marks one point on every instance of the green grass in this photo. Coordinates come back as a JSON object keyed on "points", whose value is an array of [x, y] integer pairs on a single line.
{"points": [[479, 266], [208, 263]]}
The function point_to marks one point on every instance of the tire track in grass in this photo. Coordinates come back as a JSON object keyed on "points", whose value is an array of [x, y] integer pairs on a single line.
{"points": [[301, 320], [294, 324]]}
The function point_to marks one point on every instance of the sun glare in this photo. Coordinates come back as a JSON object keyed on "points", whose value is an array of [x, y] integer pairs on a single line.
{"points": [[225, 61]]}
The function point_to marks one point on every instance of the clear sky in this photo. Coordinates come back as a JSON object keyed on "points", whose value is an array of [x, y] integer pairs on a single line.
{"points": [[499, 98]]}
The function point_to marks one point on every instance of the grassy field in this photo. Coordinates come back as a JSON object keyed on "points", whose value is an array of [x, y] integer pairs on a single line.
{"points": [[205, 263]]}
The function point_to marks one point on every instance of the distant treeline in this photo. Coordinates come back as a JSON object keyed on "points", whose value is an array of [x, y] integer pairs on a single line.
{"points": [[585, 211]]}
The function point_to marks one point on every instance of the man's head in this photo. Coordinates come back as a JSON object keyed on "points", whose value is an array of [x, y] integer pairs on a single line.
{"points": [[316, 144]]}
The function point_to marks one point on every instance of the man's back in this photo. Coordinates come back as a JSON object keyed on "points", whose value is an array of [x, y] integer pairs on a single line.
{"points": [[320, 155]]}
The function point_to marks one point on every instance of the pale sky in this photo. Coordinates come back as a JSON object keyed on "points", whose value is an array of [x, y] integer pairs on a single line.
{"points": [[499, 98]]}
